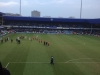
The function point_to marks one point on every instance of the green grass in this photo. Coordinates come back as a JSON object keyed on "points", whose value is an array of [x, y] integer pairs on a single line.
{"points": [[73, 55]]}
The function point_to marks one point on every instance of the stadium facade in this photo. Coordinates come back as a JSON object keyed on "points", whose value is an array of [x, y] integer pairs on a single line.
{"points": [[50, 25]]}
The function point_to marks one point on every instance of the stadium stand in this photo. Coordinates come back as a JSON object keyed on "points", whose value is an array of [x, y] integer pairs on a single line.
{"points": [[51, 25]]}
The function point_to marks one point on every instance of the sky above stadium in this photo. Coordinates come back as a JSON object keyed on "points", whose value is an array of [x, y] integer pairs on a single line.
{"points": [[53, 8]]}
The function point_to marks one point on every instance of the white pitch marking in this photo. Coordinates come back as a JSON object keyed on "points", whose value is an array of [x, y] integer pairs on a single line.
{"points": [[81, 58], [30, 62], [70, 61], [48, 62], [7, 65]]}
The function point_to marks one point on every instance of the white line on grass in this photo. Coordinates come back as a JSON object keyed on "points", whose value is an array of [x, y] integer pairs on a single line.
{"points": [[7, 65], [31, 62], [70, 61], [81, 58]]}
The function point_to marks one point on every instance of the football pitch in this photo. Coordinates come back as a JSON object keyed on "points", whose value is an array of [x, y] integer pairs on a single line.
{"points": [[73, 55]]}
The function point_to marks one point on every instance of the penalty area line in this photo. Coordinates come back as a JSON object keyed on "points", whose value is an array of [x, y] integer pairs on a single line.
{"points": [[83, 62], [46, 62], [30, 62], [7, 65], [49, 63]]}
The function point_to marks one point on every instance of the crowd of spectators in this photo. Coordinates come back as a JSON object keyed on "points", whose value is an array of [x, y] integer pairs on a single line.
{"points": [[52, 28], [50, 25], [52, 31]]}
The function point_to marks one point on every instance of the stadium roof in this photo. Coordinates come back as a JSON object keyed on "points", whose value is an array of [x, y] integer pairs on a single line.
{"points": [[2, 13], [42, 19]]}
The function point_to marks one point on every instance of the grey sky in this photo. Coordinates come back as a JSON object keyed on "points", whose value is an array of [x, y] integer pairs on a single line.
{"points": [[53, 8]]}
